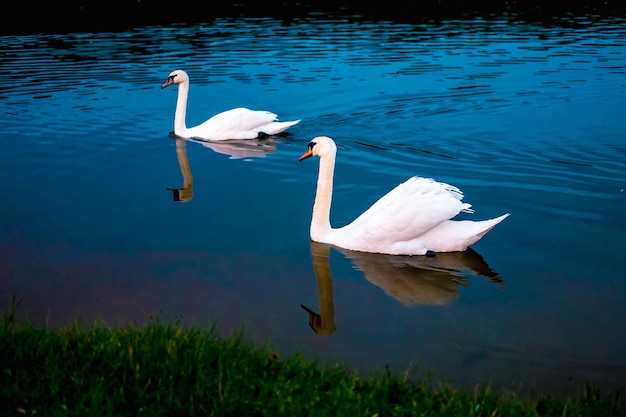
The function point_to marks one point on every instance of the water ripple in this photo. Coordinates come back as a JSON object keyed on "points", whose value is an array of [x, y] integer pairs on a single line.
{"points": [[458, 96]]}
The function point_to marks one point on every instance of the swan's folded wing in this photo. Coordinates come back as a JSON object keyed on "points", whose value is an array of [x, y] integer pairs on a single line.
{"points": [[239, 123], [243, 117], [409, 210]]}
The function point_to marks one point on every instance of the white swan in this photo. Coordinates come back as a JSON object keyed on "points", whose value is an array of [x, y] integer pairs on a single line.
{"points": [[412, 219], [239, 123]]}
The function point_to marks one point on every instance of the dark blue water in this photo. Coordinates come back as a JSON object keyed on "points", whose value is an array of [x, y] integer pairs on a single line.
{"points": [[527, 119]]}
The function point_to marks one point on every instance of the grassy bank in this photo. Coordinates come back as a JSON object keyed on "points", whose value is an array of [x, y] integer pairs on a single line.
{"points": [[167, 369]]}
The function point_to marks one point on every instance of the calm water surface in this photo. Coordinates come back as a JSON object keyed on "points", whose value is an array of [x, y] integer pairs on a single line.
{"points": [[525, 119]]}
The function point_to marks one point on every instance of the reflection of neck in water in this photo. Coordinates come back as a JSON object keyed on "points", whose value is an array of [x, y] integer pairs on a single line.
{"points": [[323, 323], [185, 193], [249, 148], [409, 279]]}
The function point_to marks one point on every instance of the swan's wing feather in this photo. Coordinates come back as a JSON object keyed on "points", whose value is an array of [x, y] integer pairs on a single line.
{"points": [[409, 210], [243, 118], [236, 123]]}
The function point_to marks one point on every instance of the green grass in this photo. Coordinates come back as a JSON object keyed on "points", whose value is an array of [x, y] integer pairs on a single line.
{"points": [[168, 369]]}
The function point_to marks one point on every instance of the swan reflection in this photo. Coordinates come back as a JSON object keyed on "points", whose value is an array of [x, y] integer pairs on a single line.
{"points": [[422, 279], [185, 193], [324, 322], [235, 149], [242, 148], [411, 280]]}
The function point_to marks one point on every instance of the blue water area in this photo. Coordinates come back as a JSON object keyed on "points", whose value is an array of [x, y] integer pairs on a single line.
{"points": [[107, 216]]}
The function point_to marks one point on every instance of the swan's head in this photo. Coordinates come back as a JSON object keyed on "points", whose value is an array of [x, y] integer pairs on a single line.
{"points": [[320, 146], [182, 195], [176, 77]]}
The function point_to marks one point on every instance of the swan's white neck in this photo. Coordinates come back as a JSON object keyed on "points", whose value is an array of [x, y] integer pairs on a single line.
{"points": [[181, 109], [320, 223]]}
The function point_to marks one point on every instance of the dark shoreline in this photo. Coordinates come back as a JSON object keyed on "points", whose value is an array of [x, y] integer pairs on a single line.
{"points": [[115, 15]]}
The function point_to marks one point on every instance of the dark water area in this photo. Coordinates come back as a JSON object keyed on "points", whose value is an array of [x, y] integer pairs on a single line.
{"points": [[106, 216], [92, 16]]}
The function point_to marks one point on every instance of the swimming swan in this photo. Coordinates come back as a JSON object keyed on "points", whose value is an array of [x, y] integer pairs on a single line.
{"points": [[239, 123], [412, 219]]}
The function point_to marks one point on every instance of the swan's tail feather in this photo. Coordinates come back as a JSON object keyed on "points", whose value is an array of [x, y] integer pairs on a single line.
{"points": [[274, 128], [490, 224], [454, 235]]}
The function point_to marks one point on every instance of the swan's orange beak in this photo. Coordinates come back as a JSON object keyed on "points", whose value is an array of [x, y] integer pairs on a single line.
{"points": [[170, 81], [308, 153]]}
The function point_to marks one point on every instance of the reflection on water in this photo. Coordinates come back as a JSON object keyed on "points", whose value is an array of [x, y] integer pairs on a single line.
{"points": [[185, 193], [409, 279], [322, 323], [239, 149], [422, 279], [236, 149]]}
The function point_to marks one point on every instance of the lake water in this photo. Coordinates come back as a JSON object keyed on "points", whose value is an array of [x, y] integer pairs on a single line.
{"points": [[525, 118]]}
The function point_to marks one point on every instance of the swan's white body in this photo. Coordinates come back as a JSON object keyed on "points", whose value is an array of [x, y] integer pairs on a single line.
{"points": [[412, 219], [239, 123]]}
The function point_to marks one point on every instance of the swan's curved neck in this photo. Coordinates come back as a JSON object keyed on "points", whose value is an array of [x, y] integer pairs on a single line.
{"points": [[320, 223], [181, 109]]}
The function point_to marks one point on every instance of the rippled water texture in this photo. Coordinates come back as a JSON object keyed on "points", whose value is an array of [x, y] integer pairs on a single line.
{"points": [[524, 118]]}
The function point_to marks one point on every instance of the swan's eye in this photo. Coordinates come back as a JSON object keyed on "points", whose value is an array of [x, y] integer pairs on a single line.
{"points": [[171, 77], [311, 145]]}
